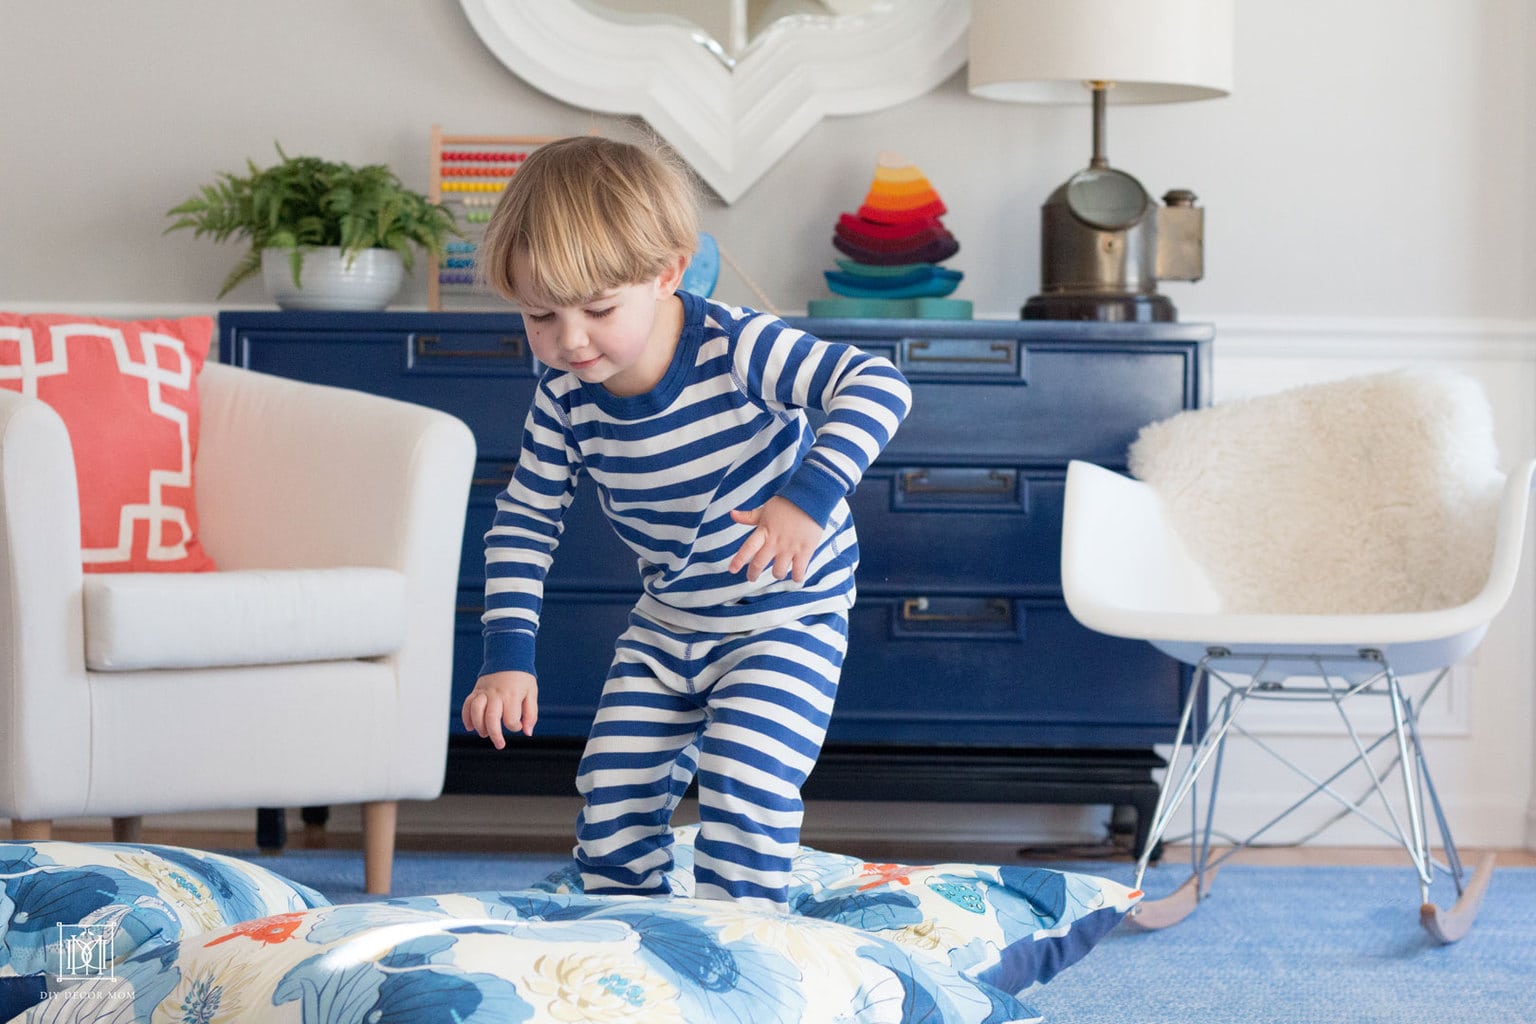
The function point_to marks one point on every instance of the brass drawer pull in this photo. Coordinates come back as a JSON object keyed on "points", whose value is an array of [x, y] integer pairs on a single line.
{"points": [[509, 346], [915, 609], [997, 482], [999, 353]]}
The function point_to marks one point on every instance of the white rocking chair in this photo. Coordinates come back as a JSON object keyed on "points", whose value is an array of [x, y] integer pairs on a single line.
{"points": [[1127, 572]]}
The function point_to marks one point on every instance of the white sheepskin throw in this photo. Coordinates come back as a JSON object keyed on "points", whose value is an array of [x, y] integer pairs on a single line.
{"points": [[1373, 494]]}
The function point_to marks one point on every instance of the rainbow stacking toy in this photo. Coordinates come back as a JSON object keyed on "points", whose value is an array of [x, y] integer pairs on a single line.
{"points": [[895, 243]]}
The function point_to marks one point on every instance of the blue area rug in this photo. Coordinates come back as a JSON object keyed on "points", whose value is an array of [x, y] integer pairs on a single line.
{"points": [[339, 873], [1314, 945]]}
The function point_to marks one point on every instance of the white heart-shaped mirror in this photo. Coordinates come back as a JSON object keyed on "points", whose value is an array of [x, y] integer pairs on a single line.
{"points": [[730, 110]]}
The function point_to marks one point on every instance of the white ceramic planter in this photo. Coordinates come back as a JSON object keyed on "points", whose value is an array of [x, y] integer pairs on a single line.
{"points": [[328, 282]]}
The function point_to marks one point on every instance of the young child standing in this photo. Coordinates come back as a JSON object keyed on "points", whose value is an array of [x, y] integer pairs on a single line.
{"points": [[688, 416]]}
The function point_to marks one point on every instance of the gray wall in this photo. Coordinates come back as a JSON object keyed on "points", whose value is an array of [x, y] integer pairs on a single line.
{"points": [[1375, 159]]}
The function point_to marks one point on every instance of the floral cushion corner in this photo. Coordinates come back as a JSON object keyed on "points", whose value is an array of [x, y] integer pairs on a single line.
{"points": [[136, 895]]}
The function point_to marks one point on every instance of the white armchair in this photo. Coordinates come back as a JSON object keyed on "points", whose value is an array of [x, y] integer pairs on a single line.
{"points": [[313, 668]]}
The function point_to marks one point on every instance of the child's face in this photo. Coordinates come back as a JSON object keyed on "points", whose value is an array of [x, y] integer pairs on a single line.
{"points": [[609, 339]]}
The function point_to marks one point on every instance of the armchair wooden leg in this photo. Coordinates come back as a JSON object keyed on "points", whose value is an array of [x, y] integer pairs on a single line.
{"points": [[31, 831], [128, 830], [378, 846]]}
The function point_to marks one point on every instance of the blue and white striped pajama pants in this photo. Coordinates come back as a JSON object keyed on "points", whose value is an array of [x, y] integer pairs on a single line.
{"points": [[747, 712]]}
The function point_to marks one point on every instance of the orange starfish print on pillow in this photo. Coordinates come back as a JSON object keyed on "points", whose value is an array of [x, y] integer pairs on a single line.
{"points": [[880, 874], [266, 930]]}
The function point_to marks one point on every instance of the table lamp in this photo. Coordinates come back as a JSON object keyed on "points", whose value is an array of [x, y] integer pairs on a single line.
{"points": [[1104, 241]]}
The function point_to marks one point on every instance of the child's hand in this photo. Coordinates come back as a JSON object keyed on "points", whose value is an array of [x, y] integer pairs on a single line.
{"points": [[502, 698], [785, 539]]}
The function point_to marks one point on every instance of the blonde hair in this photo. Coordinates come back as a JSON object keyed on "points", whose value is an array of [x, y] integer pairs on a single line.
{"points": [[590, 214]]}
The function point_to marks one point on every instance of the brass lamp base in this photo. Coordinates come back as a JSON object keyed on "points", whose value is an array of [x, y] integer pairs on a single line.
{"points": [[1105, 243], [1130, 307]]}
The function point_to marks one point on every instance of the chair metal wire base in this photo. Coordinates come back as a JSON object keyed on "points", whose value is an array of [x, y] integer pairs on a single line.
{"points": [[1342, 681]]}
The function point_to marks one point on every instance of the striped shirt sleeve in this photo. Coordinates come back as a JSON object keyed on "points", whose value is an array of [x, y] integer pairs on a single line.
{"points": [[864, 397], [520, 545]]}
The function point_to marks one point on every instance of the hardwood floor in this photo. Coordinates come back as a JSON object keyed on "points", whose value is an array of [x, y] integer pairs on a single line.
{"points": [[885, 850]]}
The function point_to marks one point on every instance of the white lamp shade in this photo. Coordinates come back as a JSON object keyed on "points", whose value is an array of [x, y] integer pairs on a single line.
{"points": [[1154, 51]]}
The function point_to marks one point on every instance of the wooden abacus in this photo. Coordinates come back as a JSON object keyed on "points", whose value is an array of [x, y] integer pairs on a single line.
{"points": [[468, 175]]}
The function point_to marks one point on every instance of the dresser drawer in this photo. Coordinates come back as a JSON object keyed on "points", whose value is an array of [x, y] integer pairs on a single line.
{"points": [[372, 361], [990, 671], [1059, 405], [486, 378], [966, 528], [933, 528]]}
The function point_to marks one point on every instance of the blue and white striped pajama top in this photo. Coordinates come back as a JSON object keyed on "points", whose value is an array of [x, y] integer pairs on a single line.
{"points": [[723, 430]]}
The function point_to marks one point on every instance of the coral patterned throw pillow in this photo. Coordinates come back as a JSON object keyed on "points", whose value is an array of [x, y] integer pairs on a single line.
{"points": [[127, 392]]}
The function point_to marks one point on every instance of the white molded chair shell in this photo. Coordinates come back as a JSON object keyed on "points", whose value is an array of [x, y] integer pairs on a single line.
{"points": [[1125, 573]]}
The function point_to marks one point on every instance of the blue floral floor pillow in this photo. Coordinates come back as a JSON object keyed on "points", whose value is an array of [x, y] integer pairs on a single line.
{"points": [[497, 958], [203, 937], [1011, 927], [134, 895]]}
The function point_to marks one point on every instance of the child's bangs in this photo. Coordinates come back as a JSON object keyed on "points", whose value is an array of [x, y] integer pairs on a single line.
{"points": [[555, 278], [565, 271]]}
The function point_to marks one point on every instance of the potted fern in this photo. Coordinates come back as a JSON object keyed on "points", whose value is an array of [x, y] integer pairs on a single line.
{"points": [[323, 235]]}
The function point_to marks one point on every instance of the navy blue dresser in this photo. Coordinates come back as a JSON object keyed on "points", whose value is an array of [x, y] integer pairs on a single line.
{"points": [[966, 677]]}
